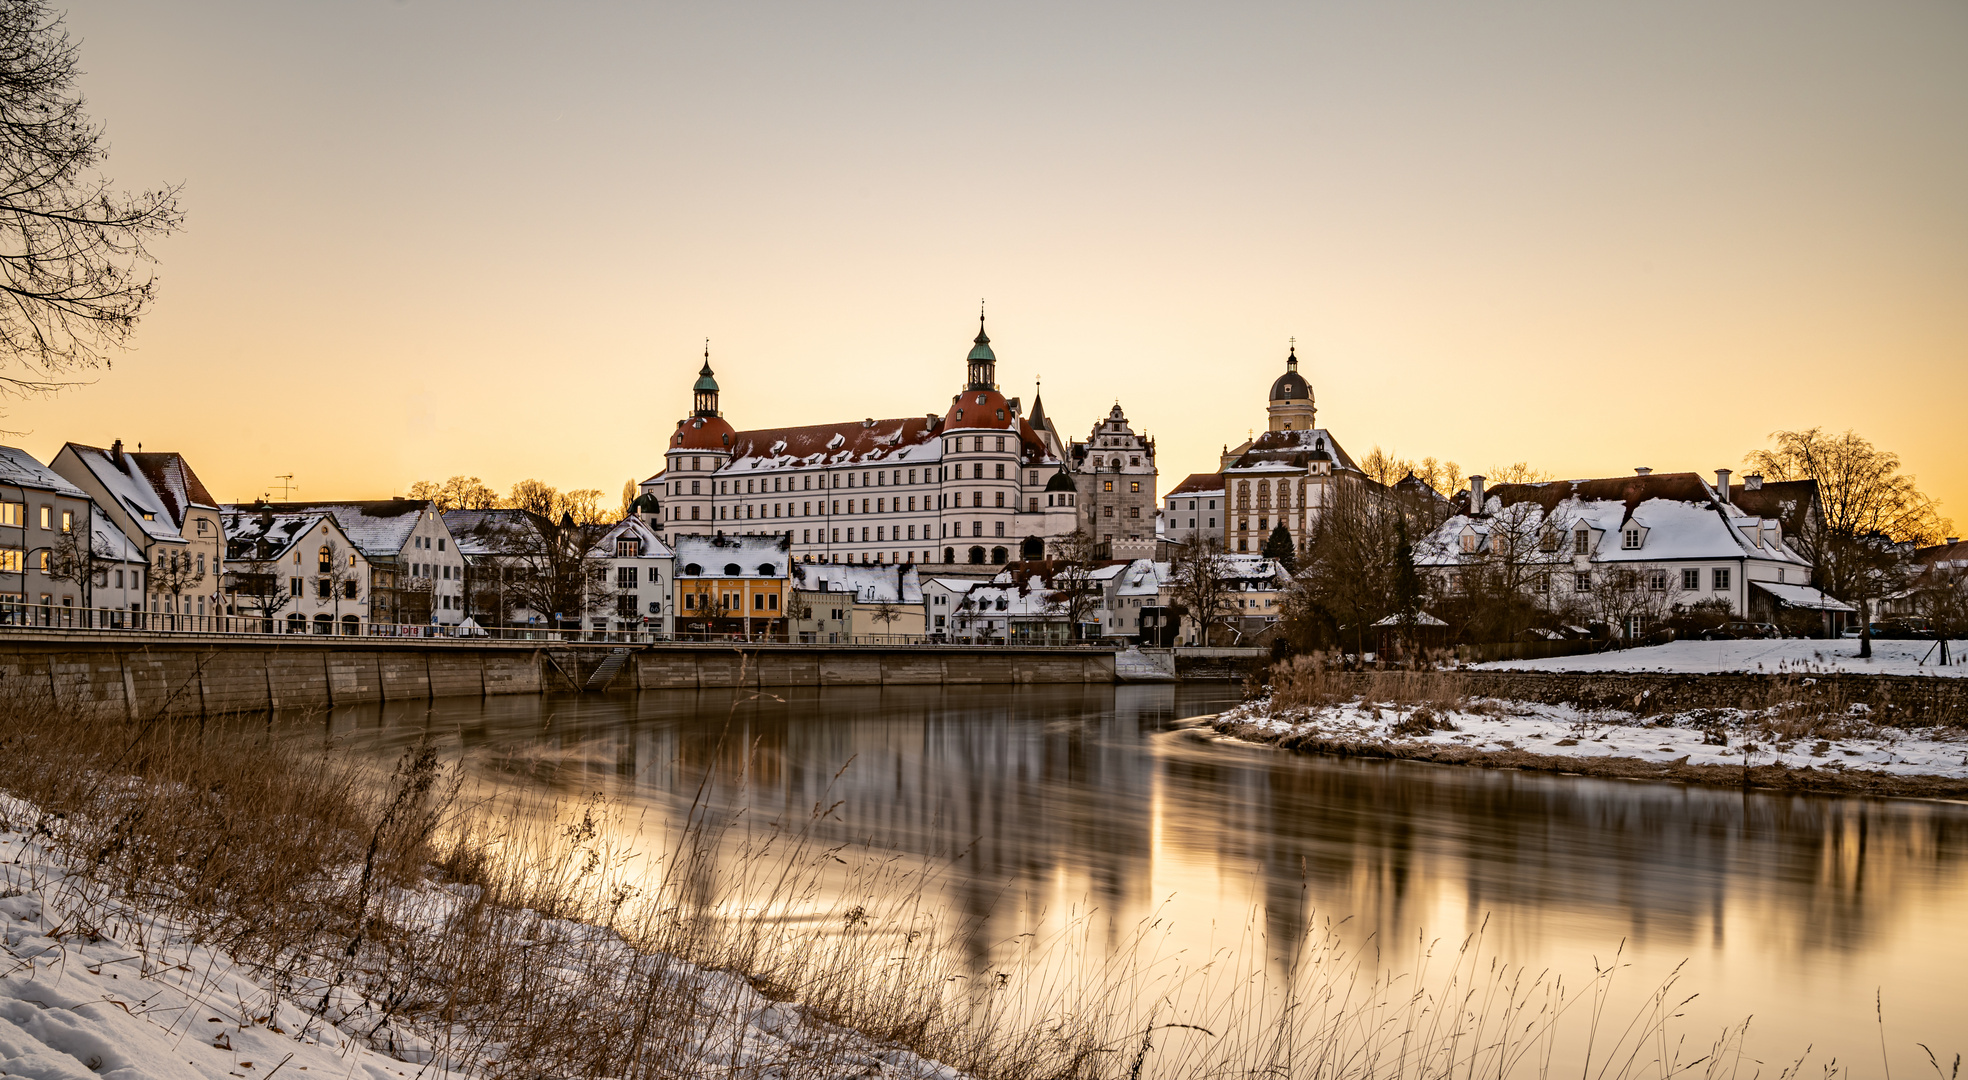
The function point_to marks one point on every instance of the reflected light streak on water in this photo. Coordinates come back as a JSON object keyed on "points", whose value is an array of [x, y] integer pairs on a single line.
{"points": [[1031, 803]]}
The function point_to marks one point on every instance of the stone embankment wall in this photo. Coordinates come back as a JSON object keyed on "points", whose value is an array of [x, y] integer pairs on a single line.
{"points": [[200, 678], [1889, 699]]}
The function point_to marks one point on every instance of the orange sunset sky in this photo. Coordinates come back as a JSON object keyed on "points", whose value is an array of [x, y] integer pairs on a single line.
{"points": [[436, 238]]}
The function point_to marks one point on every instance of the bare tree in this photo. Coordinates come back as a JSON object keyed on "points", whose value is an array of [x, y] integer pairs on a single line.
{"points": [[338, 574], [1630, 599], [1200, 587], [1940, 596], [1070, 586], [73, 255], [174, 574], [456, 493], [555, 570], [77, 557], [256, 585], [1869, 513]]}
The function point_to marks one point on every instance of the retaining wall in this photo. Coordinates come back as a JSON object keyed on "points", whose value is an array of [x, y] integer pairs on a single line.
{"points": [[195, 678]]}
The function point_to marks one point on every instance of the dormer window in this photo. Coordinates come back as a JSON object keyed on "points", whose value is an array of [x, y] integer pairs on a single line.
{"points": [[1630, 540], [1469, 543], [1582, 542]]}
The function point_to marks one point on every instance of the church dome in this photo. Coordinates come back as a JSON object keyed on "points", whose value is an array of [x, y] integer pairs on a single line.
{"points": [[703, 433], [979, 409], [1291, 386]]}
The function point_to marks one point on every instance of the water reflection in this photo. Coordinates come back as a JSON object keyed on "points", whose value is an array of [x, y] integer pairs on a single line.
{"points": [[1029, 798]]}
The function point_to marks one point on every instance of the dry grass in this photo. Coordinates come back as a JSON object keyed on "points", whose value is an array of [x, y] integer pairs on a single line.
{"points": [[1313, 681], [514, 940]]}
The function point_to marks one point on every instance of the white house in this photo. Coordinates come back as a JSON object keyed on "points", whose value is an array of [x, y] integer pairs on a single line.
{"points": [[1629, 549], [841, 601], [1192, 508], [156, 500], [44, 528], [417, 575], [640, 571], [297, 573]]}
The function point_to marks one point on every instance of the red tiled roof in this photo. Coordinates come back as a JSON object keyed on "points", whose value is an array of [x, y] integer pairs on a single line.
{"points": [[860, 439], [1202, 481]]}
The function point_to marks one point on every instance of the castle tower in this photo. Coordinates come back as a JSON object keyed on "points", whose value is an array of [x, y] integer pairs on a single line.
{"points": [[1291, 406]]}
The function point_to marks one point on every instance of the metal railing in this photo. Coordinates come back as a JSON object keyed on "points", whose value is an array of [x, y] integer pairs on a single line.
{"points": [[32, 619]]}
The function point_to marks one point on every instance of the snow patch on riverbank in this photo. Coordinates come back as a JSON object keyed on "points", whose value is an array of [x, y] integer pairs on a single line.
{"points": [[1889, 657], [1698, 737], [91, 986]]}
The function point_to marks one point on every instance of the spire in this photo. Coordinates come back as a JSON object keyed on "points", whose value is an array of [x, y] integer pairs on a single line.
{"points": [[982, 361], [1038, 418], [1291, 360], [704, 393]]}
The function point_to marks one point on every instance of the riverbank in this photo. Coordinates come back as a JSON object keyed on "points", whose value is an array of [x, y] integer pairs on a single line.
{"points": [[220, 899], [1753, 748]]}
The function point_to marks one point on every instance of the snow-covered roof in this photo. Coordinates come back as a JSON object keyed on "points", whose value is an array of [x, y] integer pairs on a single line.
{"points": [[629, 528], [712, 555], [481, 532], [870, 584], [955, 585], [155, 489], [1142, 577], [1285, 451], [261, 535], [1195, 485], [1421, 618], [18, 468], [110, 543], [379, 528], [1804, 597], [1678, 516], [995, 598]]}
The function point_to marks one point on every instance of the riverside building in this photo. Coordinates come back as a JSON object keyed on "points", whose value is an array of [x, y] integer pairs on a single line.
{"points": [[979, 484]]}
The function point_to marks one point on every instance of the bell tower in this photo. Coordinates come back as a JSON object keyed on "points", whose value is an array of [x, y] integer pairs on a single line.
{"points": [[983, 363], [704, 395], [1291, 405]]}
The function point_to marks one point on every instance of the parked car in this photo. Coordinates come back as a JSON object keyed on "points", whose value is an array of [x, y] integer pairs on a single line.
{"points": [[1742, 629]]}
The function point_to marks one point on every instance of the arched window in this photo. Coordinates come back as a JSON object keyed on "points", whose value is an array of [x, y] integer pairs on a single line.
{"points": [[326, 559], [351, 626], [296, 623], [324, 624], [1032, 548], [949, 555], [977, 556], [766, 569], [732, 570], [999, 556], [692, 569]]}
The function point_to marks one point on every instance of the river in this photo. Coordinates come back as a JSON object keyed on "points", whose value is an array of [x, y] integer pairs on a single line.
{"points": [[1042, 808]]}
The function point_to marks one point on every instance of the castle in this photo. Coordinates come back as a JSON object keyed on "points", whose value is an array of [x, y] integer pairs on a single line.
{"points": [[981, 484]]}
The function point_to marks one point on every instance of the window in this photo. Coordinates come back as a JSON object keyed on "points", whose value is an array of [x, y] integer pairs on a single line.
{"points": [[348, 590], [47, 517], [1721, 574], [1000, 498], [1691, 580], [1106, 485], [1469, 543], [628, 549], [1134, 485], [1134, 511], [68, 522], [1630, 539], [325, 559], [321, 589], [1657, 580], [1582, 582], [1582, 543], [625, 577], [1541, 583], [295, 588], [440, 543]]}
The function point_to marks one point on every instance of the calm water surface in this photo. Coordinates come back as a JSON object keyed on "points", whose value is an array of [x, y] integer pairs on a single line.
{"points": [[1034, 802]]}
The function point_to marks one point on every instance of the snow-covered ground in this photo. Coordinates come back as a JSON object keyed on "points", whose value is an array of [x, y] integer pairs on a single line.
{"points": [[96, 988], [1889, 657], [1700, 737]]}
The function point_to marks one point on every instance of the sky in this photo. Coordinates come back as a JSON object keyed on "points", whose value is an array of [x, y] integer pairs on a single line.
{"points": [[434, 238]]}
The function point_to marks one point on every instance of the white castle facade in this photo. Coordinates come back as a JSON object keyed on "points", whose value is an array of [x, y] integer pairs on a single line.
{"points": [[982, 484]]}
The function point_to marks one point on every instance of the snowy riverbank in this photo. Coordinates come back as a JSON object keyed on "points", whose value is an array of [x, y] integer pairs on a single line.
{"points": [[1710, 746], [94, 986]]}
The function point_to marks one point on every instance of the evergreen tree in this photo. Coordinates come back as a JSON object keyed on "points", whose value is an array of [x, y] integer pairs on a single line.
{"points": [[1279, 547]]}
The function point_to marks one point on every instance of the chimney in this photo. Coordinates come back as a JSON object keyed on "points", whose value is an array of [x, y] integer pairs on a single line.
{"points": [[1753, 481], [116, 452], [1722, 485], [1475, 495], [1642, 470]]}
